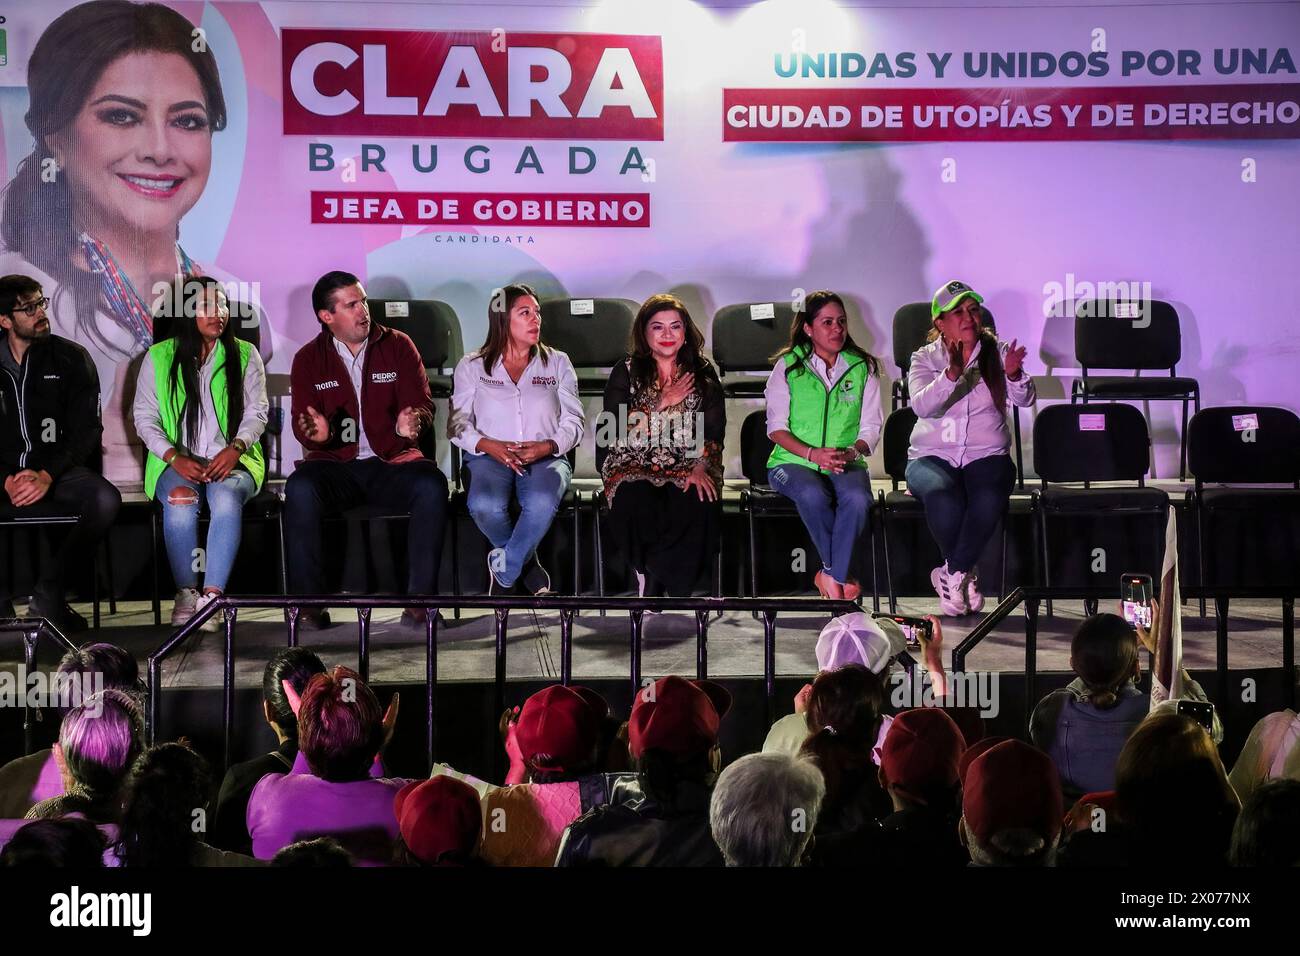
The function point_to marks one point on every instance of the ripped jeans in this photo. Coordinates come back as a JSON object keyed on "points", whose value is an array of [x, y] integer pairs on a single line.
{"points": [[226, 501]]}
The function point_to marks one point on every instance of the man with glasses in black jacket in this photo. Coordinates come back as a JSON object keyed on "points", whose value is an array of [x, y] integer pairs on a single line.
{"points": [[49, 432]]}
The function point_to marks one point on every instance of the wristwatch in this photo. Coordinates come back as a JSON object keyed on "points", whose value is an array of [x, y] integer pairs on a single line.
{"points": [[240, 446]]}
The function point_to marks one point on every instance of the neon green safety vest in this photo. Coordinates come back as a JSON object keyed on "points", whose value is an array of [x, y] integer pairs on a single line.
{"points": [[169, 410], [821, 417]]}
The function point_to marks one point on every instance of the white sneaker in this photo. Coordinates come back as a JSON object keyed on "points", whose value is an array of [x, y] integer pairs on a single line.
{"points": [[974, 600], [952, 595], [212, 624], [187, 600], [496, 562]]}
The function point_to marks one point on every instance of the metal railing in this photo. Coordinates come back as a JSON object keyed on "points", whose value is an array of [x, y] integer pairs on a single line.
{"points": [[568, 606], [31, 628], [1032, 596]]}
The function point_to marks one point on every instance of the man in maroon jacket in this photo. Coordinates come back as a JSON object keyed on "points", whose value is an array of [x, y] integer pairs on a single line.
{"points": [[360, 401]]}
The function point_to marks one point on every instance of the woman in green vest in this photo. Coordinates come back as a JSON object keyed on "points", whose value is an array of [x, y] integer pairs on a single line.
{"points": [[200, 408], [824, 416]]}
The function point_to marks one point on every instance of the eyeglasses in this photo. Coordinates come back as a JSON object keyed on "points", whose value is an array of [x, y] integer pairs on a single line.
{"points": [[31, 308]]}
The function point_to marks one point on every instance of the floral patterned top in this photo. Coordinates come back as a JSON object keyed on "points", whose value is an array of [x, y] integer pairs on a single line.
{"points": [[641, 444]]}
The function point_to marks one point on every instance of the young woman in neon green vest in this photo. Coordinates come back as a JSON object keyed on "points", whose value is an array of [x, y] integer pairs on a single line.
{"points": [[824, 415], [200, 408]]}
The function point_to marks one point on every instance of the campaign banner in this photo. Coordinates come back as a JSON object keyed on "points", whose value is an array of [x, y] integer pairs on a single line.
{"points": [[1034, 114], [484, 209], [498, 84]]}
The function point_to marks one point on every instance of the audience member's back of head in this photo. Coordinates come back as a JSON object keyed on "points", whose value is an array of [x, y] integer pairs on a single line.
{"points": [[322, 852], [1171, 788], [764, 808], [66, 842], [165, 793], [98, 666], [340, 726], [1267, 832], [298, 666], [101, 738], [920, 760], [1104, 653], [1012, 807], [844, 718], [440, 820], [673, 735]]}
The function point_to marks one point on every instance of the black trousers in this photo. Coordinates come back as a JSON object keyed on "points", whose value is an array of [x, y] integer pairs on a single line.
{"points": [[666, 533], [78, 491], [318, 489]]}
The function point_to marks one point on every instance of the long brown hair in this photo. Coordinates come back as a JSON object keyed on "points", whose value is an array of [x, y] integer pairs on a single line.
{"points": [[843, 720], [1103, 653], [498, 332], [67, 62], [990, 362], [689, 357], [800, 344]]}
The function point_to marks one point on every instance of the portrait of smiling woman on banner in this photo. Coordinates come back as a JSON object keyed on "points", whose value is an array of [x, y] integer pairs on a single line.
{"points": [[123, 105]]}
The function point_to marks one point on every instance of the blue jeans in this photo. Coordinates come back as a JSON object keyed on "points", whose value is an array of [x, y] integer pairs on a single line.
{"points": [[540, 489], [834, 508], [962, 505], [225, 524]]}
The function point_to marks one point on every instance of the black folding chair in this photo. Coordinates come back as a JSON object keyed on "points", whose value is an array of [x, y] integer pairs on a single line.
{"points": [[1246, 445], [760, 501], [745, 337], [912, 325], [594, 333], [1133, 336], [1087, 444], [45, 514]]}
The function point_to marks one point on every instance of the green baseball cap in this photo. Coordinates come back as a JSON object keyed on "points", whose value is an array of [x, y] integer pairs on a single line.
{"points": [[949, 294]]}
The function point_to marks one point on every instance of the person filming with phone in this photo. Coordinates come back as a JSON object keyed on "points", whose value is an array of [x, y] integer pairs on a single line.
{"points": [[1084, 725]]}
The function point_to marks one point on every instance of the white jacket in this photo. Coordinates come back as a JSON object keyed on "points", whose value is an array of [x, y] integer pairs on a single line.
{"points": [[544, 405], [957, 421]]}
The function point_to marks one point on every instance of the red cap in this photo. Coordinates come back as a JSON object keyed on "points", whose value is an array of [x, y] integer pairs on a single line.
{"points": [[974, 750], [677, 715], [438, 816], [921, 752], [1012, 786], [563, 723]]}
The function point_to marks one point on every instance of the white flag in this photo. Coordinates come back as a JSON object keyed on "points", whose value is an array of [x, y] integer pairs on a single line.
{"points": [[1167, 678]]}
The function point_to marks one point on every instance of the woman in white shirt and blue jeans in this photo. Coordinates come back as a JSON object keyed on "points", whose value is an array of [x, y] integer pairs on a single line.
{"points": [[960, 466], [515, 410]]}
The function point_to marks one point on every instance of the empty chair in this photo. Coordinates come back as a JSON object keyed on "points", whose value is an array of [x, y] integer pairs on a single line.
{"points": [[1246, 535], [592, 332], [1136, 337], [745, 337], [1086, 444]]}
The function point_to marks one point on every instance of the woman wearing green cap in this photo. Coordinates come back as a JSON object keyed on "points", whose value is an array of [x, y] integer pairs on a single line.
{"points": [[959, 460], [823, 415]]}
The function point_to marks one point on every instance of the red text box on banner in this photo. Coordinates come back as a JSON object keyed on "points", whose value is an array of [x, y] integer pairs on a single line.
{"points": [[488, 85], [1236, 111], [481, 209]]}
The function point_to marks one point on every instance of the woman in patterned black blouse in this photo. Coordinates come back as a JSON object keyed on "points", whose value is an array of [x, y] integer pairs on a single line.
{"points": [[661, 437]]}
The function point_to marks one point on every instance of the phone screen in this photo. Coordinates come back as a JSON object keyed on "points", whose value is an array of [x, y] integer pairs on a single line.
{"points": [[1135, 592], [913, 628]]}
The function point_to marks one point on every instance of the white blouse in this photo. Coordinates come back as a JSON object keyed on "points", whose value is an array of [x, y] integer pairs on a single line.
{"points": [[543, 405]]}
